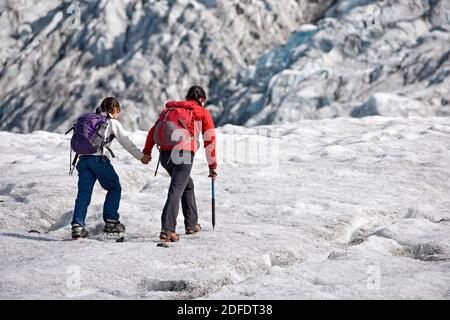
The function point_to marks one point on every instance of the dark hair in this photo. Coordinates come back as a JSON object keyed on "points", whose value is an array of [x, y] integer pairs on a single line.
{"points": [[110, 105], [196, 93]]}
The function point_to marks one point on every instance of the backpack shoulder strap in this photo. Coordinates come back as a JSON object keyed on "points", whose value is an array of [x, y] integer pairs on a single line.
{"points": [[184, 125], [166, 113], [108, 139], [110, 151]]}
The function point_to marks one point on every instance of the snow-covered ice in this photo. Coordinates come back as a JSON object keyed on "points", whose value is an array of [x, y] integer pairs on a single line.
{"points": [[344, 208]]}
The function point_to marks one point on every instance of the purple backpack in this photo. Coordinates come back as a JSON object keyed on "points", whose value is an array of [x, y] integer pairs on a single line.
{"points": [[88, 136]]}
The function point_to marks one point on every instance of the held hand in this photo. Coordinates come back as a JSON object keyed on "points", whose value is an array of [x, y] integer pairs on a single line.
{"points": [[146, 159], [212, 174]]}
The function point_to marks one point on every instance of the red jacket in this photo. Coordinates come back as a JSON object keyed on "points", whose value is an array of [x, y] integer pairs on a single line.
{"points": [[201, 122]]}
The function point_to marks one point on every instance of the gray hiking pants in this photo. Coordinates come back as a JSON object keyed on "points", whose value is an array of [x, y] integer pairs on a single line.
{"points": [[181, 188]]}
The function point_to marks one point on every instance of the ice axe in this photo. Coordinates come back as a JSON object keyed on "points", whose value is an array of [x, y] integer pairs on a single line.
{"points": [[213, 203]]}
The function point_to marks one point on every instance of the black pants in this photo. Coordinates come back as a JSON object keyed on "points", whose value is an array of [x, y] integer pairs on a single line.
{"points": [[181, 188]]}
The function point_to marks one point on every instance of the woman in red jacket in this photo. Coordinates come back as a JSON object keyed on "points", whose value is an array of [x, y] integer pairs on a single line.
{"points": [[185, 119]]}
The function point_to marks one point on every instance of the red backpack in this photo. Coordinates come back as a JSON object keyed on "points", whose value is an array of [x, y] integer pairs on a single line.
{"points": [[172, 127]]}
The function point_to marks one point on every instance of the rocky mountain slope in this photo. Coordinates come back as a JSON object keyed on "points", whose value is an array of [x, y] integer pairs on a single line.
{"points": [[59, 58], [388, 58], [262, 61]]}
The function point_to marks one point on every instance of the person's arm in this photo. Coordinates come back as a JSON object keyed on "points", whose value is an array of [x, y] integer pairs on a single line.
{"points": [[209, 138], [150, 142], [122, 137]]}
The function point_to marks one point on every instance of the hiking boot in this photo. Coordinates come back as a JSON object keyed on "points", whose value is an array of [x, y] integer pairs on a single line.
{"points": [[79, 231], [168, 236], [197, 228], [113, 226]]}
